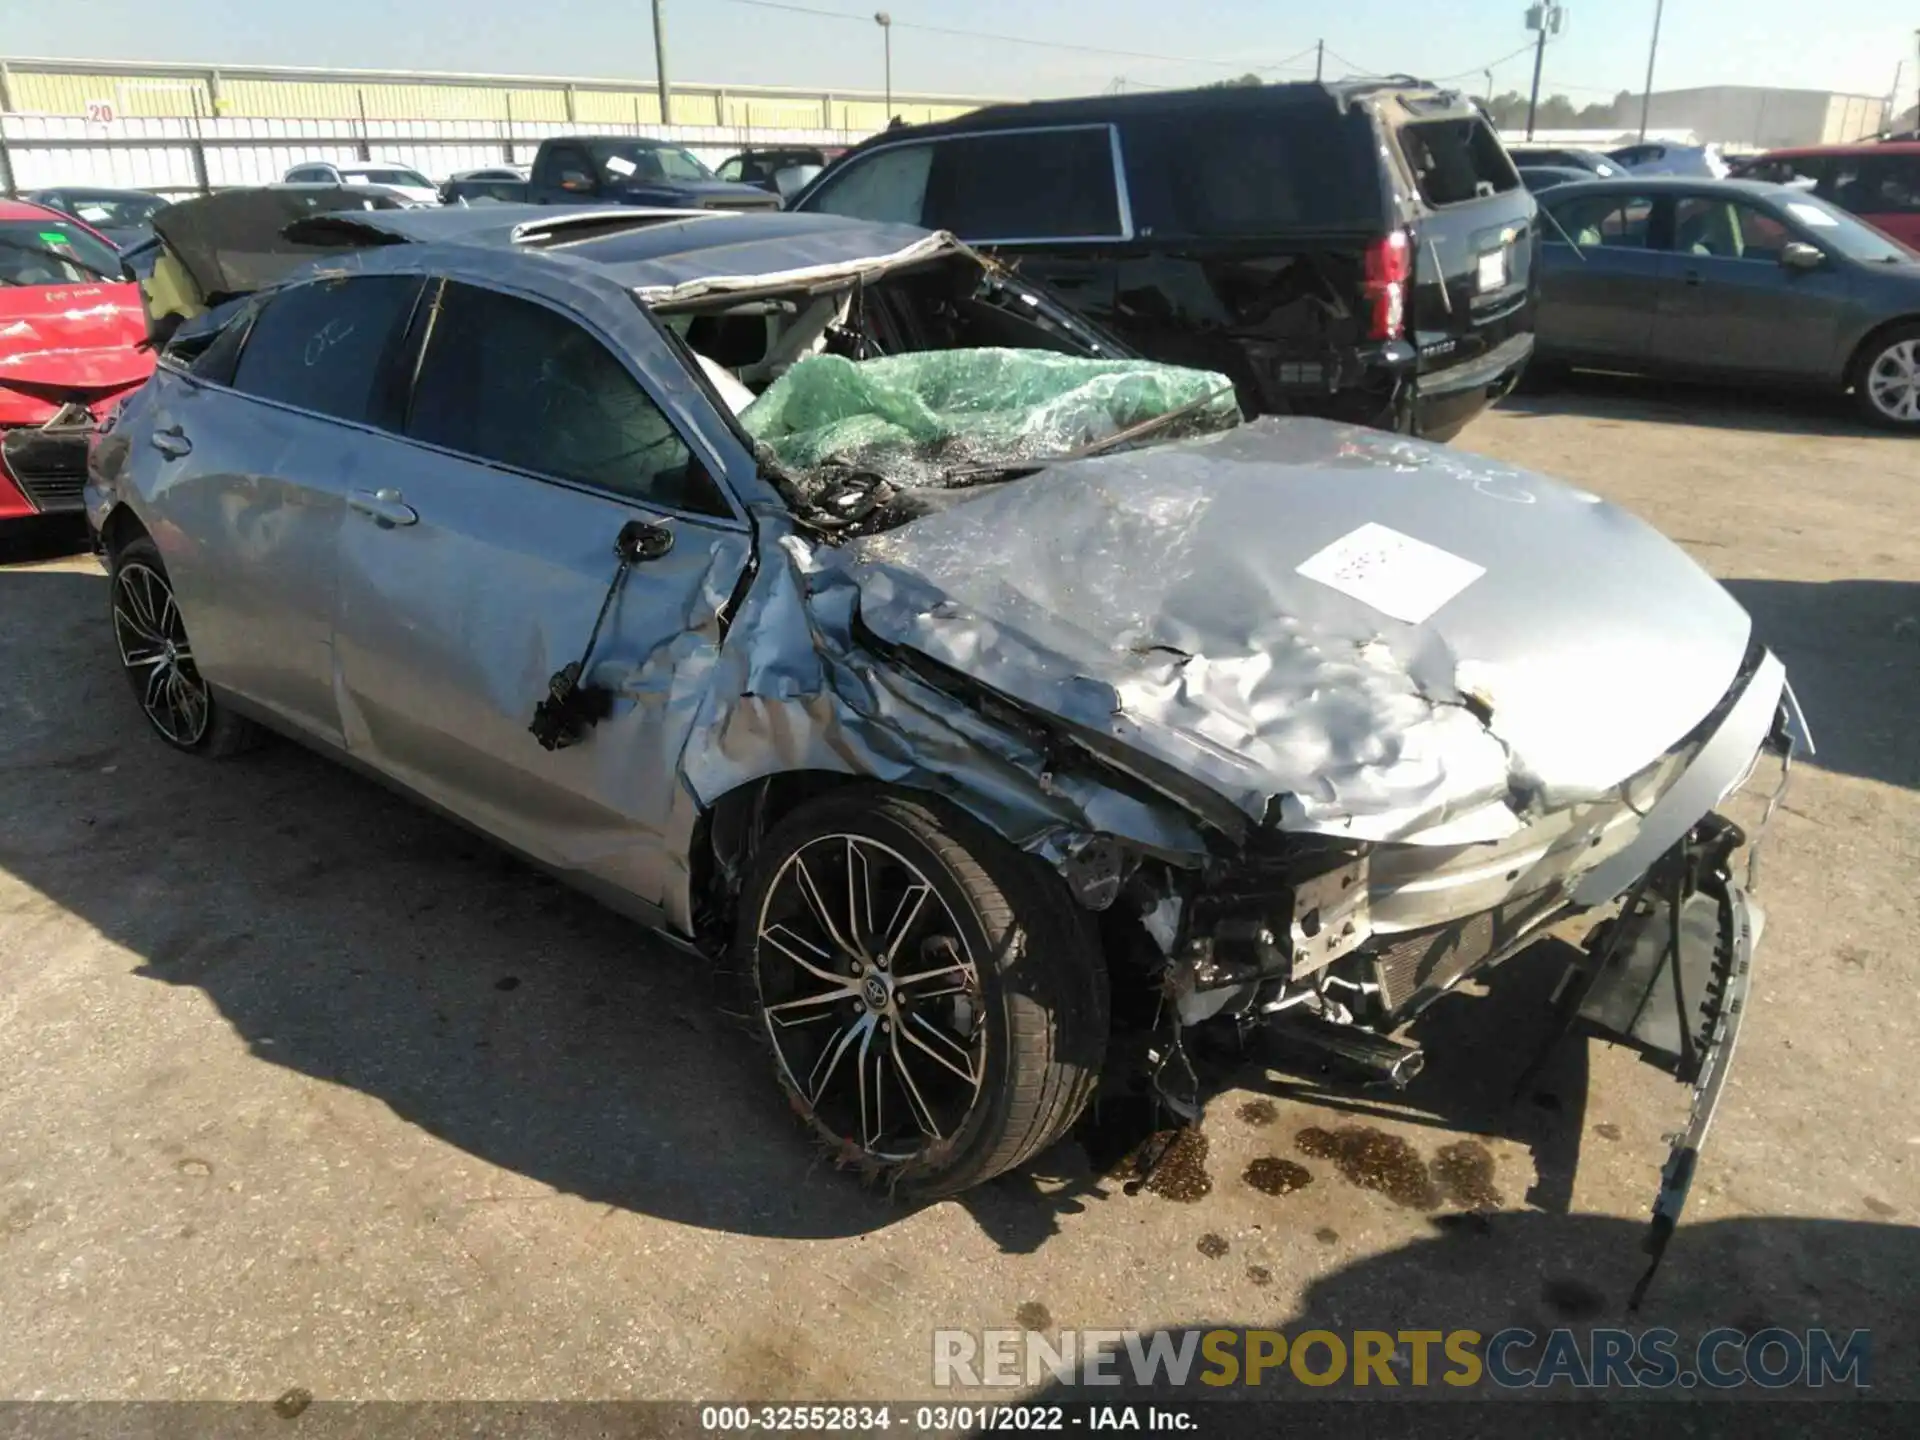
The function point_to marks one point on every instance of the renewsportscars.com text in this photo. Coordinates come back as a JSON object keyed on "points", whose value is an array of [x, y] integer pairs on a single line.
{"points": [[1590, 1359]]}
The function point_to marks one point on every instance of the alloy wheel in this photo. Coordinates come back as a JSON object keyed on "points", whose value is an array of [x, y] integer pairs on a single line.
{"points": [[870, 994], [1893, 382], [154, 649]]}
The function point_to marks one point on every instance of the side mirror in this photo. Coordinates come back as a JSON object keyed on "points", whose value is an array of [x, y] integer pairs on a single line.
{"points": [[1799, 255]]}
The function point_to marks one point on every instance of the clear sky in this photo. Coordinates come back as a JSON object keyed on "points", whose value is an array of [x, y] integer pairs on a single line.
{"points": [[1850, 45]]}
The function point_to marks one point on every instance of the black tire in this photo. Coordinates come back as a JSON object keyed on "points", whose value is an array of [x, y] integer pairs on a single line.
{"points": [[157, 658], [1881, 359], [1026, 957]]}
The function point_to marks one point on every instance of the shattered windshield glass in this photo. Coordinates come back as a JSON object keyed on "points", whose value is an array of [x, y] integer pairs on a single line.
{"points": [[950, 418]]}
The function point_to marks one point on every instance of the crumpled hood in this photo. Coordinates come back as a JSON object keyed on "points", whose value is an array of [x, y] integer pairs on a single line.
{"points": [[1379, 635], [68, 342]]}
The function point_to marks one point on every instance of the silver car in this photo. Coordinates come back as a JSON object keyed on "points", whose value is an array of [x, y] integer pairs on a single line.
{"points": [[628, 540]]}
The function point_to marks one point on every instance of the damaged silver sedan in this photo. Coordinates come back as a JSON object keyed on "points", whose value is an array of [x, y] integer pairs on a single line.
{"points": [[840, 605]]}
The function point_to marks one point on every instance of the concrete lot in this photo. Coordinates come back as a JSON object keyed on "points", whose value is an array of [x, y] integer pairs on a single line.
{"points": [[300, 1086]]}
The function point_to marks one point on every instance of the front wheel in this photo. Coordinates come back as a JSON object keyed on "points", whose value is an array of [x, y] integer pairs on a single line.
{"points": [[934, 1001], [1886, 381]]}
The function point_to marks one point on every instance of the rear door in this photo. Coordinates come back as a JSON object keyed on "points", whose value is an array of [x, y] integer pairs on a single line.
{"points": [[257, 449], [474, 572], [1602, 263], [1727, 303]]}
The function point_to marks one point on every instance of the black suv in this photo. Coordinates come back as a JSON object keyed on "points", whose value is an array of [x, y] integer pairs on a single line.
{"points": [[1362, 250]]}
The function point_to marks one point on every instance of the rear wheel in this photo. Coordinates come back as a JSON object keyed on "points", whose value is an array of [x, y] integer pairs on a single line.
{"points": [[1886, 378], [935, 1003], [157, 657]]}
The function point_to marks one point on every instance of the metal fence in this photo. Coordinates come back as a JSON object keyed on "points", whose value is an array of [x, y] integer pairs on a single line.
{"points": [[176, 128], [176, 156]]}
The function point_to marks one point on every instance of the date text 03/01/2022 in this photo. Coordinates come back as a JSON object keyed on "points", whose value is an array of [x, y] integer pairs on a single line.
{"points": [[942, 1419]]}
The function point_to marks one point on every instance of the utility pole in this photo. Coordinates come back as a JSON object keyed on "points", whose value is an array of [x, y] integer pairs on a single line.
{"points": [[1646, 95], [1319, 59], [885, 22], [660, 60], [1489, 75], [1544, 18]]}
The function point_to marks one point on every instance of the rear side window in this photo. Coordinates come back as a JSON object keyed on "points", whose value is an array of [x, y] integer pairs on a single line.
{"points": [[1455, 161], [320, 346], [1025, 185], [1610, 221], [559, 164], [887, 185], [510, 381], [1250, 173], [1874, 184]]}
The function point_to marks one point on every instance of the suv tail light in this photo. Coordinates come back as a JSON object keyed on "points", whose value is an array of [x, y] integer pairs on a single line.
{"points": [[1388, 270]]}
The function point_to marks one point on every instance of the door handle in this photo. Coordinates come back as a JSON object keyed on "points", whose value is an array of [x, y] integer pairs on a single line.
{"points": [[385, 508], [171, 442], [1692, 277]]}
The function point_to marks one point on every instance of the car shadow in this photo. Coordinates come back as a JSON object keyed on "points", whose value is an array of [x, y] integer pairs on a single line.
{"points": [[1605, 395], [1538, 1272], [348, 934], [40, 537], [1852, 651]]}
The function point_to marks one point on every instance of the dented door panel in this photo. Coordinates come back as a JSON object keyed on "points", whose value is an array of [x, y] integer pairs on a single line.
{"points": [[449, 629]]}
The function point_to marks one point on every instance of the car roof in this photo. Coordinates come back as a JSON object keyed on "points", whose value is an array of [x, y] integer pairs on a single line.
{"points": [[99, 190], [1677, 184], [1099, 109], [646, 142], [637, 247], [28, 210]]}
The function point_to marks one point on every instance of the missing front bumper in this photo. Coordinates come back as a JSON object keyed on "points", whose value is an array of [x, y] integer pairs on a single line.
{"points": [[1670, 979]]}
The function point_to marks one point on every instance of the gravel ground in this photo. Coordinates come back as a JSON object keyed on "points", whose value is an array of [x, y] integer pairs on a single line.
{"points": [[302, 1087]]}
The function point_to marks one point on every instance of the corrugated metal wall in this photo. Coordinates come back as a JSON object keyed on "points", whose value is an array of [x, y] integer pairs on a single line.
{"points": [[35, 87], [175, 127]]}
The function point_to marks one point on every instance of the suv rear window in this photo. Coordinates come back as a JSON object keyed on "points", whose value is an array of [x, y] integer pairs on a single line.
{"points": [[1455, 161], [1246, 172]]}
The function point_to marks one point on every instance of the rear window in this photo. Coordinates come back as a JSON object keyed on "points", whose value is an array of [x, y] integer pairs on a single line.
{"points": [[1252, 172], [1025, 185], [1455, 161], [388, 177]]}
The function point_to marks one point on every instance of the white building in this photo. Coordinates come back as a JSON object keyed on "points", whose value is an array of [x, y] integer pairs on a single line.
{"points": [[1761, 118]]}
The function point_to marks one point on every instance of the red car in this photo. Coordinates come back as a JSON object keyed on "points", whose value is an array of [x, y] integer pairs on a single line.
{"points": [[70, 325], [1878, 182]]}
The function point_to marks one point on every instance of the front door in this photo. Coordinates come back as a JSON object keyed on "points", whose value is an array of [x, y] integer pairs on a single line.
{"points": [[477, 573], [1728, 305]]}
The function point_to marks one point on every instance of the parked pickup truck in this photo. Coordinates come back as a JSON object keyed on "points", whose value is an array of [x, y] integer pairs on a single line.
{"points": [[625, 170]]}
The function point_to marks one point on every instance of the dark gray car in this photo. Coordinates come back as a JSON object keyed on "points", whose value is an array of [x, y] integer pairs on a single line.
{"points": [[1730, 280], [124, 217]]}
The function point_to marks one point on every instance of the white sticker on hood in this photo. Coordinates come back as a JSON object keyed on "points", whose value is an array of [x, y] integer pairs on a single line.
{"points": [[1394, 573], [620, 165]]}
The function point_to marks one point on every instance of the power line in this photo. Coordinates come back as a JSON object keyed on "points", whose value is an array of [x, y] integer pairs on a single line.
{"points": [[1526, 49], [1017, 39]]}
